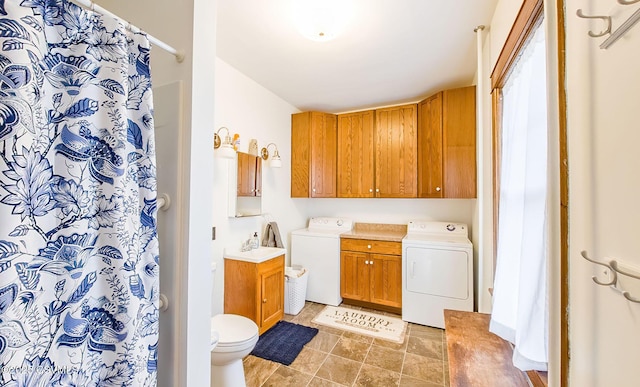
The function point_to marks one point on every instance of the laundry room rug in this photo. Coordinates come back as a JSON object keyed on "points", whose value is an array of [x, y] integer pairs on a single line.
{"points": [[283, 342], [362, 322]]}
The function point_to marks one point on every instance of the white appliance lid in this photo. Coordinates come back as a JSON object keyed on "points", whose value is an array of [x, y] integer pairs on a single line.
{"points": [[330, 224]]}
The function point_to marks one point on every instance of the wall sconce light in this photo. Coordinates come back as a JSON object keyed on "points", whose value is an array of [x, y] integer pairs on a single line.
{"points": [[275, 162], [226, 150]]}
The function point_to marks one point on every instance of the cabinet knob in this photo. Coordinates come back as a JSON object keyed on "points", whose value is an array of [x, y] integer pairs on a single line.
{"points": [[366, 262], [370, 189], [368, 246], [314, 190], [377, 189], [438, 189], [264, 301]]}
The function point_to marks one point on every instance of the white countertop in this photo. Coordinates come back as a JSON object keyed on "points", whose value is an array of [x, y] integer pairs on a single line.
{"points": [[258, 255]]}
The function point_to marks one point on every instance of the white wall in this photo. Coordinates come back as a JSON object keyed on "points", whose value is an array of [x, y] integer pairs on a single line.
{"points": [[603, 94], [252, 111]]}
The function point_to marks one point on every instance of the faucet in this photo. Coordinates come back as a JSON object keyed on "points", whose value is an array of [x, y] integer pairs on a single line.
{"points": [[246, 246]]}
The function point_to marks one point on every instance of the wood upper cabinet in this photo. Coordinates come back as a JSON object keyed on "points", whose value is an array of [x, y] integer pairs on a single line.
{"points": [[356, 155], [396, 152], [249, 175], [255, 290], [430, 181], [371, 272], [313, 155], [447, 144]]}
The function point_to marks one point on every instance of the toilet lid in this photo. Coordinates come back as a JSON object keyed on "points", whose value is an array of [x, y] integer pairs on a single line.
{"points": [[233, 328]]}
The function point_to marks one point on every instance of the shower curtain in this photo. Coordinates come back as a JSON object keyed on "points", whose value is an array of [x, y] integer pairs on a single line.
{"points": [[78, 241]]}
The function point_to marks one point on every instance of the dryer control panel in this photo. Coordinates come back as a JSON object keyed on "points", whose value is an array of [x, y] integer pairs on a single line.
{"points": [[445, 228]]}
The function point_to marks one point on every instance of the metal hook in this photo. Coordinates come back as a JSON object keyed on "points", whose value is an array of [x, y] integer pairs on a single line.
{"points": [[594, 278], [615, 267], [628, 297], [627, 2], [607, 19]]}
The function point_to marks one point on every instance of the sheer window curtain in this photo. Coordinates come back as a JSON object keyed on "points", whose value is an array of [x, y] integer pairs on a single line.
{"points": [[520, 308]]}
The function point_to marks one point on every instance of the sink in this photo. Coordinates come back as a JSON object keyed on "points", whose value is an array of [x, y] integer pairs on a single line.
{"points": [[258, 255]]}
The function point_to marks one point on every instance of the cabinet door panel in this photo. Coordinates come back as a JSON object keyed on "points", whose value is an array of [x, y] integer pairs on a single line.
{"points": [[354, 276], [396, 152], [300, 154], [459, 142], [430, 182], [323, 155], [386, 279], [272, 287], [246, 174], [355, 155]]}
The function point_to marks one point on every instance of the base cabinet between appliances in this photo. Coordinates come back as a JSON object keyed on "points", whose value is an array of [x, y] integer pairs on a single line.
{"points": [[255, 290], [371, 273]]}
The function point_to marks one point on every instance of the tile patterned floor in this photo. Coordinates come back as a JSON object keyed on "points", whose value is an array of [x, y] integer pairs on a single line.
{"points": [[340, 358]]}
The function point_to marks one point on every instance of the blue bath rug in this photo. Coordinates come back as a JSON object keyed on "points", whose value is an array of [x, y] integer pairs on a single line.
{"points": [[283, 342]]}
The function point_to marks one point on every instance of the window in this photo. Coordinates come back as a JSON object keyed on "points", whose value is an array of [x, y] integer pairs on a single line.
{"points": [[520, 308]]}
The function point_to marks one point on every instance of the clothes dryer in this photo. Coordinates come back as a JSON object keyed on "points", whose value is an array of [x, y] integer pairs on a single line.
{"points": [[437, 271]]}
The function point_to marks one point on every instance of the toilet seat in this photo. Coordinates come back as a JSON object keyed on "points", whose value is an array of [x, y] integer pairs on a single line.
{"points": [[235, 332]]}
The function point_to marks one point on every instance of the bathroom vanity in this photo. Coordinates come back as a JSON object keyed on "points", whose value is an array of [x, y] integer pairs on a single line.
{"points": [[254, 285]]}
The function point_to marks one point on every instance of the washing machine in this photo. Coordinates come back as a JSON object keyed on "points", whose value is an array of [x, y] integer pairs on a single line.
{"points": [[317, 248], [437, 271]]}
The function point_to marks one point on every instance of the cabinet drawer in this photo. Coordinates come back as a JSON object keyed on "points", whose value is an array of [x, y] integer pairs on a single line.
{"points": [[371, 246]]}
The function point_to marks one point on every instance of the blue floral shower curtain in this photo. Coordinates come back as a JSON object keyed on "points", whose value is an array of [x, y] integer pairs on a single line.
{"points": [[78, 242]]}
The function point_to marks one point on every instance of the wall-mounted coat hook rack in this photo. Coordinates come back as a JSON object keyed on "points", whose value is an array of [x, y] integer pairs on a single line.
{"points": [[607, 19], [614, 270], [614, 278]]}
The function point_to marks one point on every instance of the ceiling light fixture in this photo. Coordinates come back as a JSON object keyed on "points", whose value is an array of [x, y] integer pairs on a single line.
{"points": [[321, 20]]}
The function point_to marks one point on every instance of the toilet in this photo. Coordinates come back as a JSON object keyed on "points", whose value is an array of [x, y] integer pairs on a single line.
{"points": [[232, 338]]}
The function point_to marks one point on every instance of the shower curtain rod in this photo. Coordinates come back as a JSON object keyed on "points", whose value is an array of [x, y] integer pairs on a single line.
{"points": [[155, 41]]}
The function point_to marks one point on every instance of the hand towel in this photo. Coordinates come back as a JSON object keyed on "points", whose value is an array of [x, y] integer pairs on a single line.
{"points": [[271, 236]]}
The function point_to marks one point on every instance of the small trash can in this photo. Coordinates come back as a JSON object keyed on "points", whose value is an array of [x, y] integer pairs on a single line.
{"points": [[295, 289]]}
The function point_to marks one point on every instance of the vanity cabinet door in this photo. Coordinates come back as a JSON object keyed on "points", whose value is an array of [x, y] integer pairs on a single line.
{"points": [[272, 293]]}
